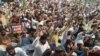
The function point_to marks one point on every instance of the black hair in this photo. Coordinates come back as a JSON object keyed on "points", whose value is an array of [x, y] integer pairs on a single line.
{"points": [[9, 48], [48, 21], [48, 52], [44, 36], [58, 49]]}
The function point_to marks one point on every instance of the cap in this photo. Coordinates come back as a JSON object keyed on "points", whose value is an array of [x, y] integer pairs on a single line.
{"points": [[96, 48], [80, 42], [74, 54]]}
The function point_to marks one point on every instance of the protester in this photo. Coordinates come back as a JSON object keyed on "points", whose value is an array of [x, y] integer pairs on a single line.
{"points": [[50, 28], [4, 42], [15, 51], [41, 46]]}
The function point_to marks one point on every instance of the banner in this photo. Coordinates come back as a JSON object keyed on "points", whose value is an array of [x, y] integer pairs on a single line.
{"points": [[17, 28]]}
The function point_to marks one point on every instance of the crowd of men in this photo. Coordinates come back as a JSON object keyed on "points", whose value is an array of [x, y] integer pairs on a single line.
{"points": [[50, 28]]}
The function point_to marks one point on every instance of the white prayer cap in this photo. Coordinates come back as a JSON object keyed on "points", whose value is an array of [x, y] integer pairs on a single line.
{"points": [[20, 4], [74, 54], [27, 10], [66, 19], [80, 42], [34, 27], [96, 48], [71, 29], [93, 36], [25, 18]]}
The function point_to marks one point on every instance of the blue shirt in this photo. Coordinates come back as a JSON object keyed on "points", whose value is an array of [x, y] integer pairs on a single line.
{"points": [[25, 41]]}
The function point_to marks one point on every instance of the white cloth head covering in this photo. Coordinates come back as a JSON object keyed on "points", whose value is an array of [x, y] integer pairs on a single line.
{"points": [[74, 54], [95, 48], [93, 36], [71, 29], [34, 27], [80, 42], [66, 19], [25, 19]]}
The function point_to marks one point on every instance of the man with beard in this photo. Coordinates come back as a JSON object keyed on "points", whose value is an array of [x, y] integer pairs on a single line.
{"points": [[41, 46], [15, 51]]}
